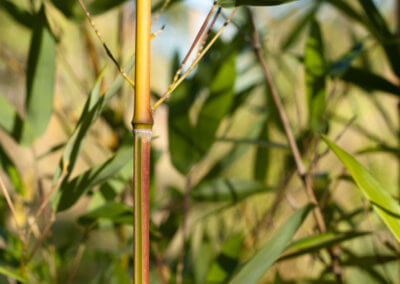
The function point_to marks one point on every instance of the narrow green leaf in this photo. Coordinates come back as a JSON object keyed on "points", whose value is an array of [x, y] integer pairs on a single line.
{"points": [[237, 151], [299, 27], [387, 208], [118, 213], [12, 172], [12, 274], [227, 190], [368, 260], [19, 14], [382, 32], [92, 110], [12, 123], [203, 259], [375, 24], [315, 66], [314, 243], [340, 66], [235, 3], [8, 115], [262, 156], [190, 141], [369, 81], [227, 261], [258, 265], [71, 191], [40, 76]]}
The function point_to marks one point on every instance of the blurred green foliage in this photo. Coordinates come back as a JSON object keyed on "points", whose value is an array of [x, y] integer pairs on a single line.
{"points": [[220, 160]]}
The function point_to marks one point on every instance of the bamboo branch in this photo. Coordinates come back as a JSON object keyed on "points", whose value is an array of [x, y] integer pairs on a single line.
{"points": [[142, 130], [172, 87], [301, 169], [108, 51], [12, 208]]}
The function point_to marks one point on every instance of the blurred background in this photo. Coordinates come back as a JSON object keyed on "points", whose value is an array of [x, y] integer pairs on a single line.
{"points": [[247, 147]]}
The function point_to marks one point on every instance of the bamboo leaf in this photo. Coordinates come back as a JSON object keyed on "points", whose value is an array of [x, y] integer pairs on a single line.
{"points": [[71, 191], [227, 261], [12, 123], [314, 243], [91, 112], [386, 207], [118, 213], [236, 152], [19, 14], [261, 163], [12, 172], [340, 66], [382, 33], [227, 190], [315, 66], [299, 27], [40, 76], [189, 141], [8, 116], [12, 274], [375, 24], [369, 81], [235, 3], [256, 267]]}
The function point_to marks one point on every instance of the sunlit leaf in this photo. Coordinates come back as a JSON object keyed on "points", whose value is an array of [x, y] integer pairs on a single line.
{"points": [[258, 265], [12, 274], [12, 172], [317, 242], [387, 208]]}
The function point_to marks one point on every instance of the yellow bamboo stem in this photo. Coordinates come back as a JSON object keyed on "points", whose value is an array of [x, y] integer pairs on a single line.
{"points": [[142, 124], [143, 116]]}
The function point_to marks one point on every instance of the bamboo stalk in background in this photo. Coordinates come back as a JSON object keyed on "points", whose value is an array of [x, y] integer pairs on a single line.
{"points": [[142, 131]]}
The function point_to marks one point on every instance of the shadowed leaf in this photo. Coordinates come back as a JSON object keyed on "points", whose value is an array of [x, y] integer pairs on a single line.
{"points": [[227, 261], [315, 67], [233, 3], [40, 76], [71, 191]]}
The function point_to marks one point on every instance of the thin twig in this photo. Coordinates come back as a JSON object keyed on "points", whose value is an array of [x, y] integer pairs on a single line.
{"points": [[301, 169], [207, 34], [76, 262], [42, 237], [194, 64], [48, 197], [195, 42], [108, 51], [162, 268], [162, 9], [12, 208]]}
